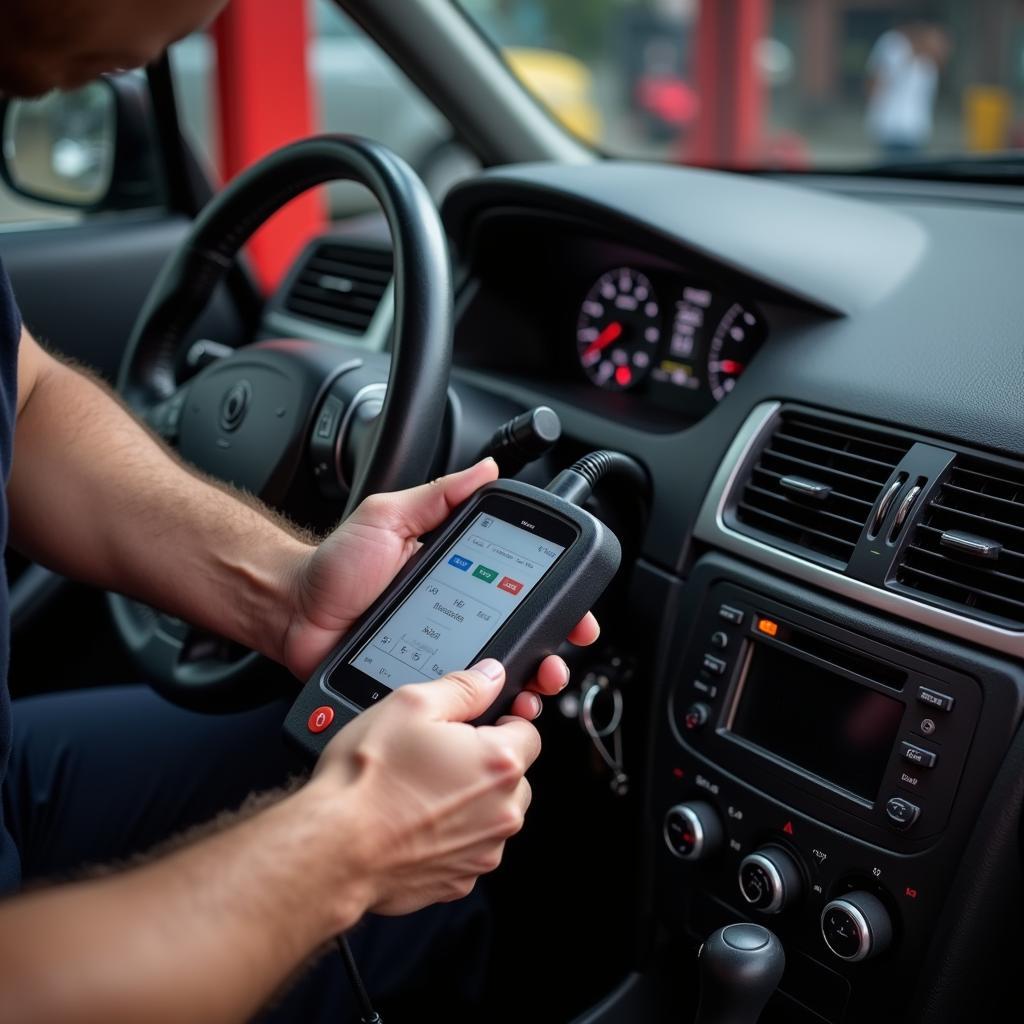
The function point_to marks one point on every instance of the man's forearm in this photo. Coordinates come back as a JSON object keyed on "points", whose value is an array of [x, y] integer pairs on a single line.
{"points": [[94, 496], [205, 934]]}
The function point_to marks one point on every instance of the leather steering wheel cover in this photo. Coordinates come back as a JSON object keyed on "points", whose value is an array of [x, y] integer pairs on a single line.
{"points": [[409, 424]]}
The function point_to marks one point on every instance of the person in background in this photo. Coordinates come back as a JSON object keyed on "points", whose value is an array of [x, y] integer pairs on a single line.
{"points": [[902, 82]]}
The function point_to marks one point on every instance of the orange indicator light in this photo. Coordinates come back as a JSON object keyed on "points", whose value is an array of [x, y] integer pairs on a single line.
{"points": [[767, 627]]}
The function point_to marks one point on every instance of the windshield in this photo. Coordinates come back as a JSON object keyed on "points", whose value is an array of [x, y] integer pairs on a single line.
{"points": [[798, 85]]}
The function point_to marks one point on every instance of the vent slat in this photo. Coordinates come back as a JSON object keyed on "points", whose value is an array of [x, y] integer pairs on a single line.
{"points": [[870, 465], [980, 498], [852, 463], [797, 510], [979, 575], [341, 285], [350, 300], [855, 508], [1001, 507], [328, 314], [842, 479], [976, 600], [980, 524], [883, 451], [799, 533]]}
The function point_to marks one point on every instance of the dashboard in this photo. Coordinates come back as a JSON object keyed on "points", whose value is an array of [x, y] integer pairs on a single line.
{"points": [[823, 594], [833, 708]]}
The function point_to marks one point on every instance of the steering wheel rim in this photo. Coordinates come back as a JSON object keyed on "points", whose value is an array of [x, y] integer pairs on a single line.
{"points": [[402, 449]]}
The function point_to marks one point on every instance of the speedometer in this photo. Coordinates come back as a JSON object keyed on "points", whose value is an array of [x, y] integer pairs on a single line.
{"points": [[736, 339], [618, 329]]}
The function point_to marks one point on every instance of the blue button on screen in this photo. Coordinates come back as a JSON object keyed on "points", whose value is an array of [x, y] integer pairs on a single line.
{"points": [[459, 562]]}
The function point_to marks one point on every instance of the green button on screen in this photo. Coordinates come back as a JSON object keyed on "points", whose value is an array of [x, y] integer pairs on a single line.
{"points": [[485, 574]]}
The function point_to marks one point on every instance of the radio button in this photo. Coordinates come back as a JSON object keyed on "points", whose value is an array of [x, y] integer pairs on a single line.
{"points": [[716, 666], [918, 755], [934, 699], [720, 639], [730, 614], [692, 831], [902, 813]]}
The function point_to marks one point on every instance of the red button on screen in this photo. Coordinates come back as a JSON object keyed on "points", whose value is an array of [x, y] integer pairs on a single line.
{"points": [[509, 584], [320, 719]]}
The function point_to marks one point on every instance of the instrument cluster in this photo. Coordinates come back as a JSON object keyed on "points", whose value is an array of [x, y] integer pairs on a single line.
{"points": [[681, 344]]}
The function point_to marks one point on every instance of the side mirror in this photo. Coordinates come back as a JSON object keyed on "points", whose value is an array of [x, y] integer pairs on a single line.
{"points": [[90, 149]]}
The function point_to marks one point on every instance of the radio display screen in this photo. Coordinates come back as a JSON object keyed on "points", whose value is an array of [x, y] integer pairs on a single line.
{"points": [[817, 720]]}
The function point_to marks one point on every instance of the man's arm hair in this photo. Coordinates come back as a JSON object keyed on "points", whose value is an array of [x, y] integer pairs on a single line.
{"points": [[95, 496], [206, 933]]}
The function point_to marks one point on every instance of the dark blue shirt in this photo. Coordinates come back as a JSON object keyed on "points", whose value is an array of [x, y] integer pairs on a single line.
{"points": [[10, 332]]}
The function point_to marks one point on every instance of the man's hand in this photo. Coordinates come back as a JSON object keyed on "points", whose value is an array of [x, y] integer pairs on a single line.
{"points": [[426, 802], [341, 578]]}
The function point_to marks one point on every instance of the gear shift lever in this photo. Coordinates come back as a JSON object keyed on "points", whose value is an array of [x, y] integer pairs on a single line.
{"points": [[740, 967]]}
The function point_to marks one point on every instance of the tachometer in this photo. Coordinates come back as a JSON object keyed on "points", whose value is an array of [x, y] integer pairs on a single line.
{"points": [[618, 329], [736, 339]]}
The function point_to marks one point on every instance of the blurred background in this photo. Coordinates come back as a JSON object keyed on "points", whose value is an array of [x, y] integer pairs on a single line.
{"points": [[793, 85]]}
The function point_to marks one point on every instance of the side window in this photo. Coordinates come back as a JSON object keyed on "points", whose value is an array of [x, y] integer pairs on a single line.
{"points": [[356, 89], [71, 155]]}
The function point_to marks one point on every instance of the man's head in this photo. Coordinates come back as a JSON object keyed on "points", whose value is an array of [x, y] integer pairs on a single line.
{"points": [[47, 44]]}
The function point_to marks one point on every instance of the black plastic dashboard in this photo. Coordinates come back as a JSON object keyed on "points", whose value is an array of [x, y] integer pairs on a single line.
{"points": [[905, 314], [889, 319]]}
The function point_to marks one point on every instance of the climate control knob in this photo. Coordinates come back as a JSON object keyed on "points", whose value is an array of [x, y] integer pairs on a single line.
{"points": [[693, 831], [856, 926], [769, 879]]}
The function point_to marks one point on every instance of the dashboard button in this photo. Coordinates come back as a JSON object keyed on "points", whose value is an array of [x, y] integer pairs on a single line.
{"points": [[934, 699], [902, 813], [692, 831], [769, 879], [856, 926], [716, 666], [720, 639], [696, 717], [918, 755], [730, 614]]}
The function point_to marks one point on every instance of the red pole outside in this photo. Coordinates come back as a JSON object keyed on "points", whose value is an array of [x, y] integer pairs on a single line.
{"points": [[729, 130], [264, 101]]}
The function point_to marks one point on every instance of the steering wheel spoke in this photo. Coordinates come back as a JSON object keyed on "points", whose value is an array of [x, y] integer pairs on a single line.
{"points": [[165, 416]]}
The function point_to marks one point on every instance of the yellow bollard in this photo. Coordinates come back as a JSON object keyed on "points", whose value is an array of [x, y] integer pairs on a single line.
{"points": [[987, 118]]}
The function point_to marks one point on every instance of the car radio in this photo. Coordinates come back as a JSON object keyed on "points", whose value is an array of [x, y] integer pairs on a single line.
{"points": [[817, 768], [848, 730]]}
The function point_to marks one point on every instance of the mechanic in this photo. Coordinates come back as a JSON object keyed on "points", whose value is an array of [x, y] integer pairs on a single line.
{"points": [[408, 805]]}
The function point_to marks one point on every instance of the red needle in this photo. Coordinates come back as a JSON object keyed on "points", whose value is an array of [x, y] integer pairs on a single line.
{"points": [[730, 366], [604, 339]]}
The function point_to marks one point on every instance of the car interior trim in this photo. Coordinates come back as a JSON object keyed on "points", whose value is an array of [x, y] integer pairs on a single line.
{"points": [[712, 528]]}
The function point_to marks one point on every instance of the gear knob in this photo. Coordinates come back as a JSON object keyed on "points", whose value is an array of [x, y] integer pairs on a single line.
{"points": [[740, 967]]}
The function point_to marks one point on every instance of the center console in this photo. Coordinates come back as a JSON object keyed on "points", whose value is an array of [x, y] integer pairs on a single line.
{"points": [[818, 768]]}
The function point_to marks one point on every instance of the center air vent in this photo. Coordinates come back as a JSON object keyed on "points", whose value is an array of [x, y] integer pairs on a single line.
{"points": [[340, 284], [814, 485], [968, 548]]}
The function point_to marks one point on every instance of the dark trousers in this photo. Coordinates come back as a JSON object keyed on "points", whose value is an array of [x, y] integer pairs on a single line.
{"points": [[97, 776]]}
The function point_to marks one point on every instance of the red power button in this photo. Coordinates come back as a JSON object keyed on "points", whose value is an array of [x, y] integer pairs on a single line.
{"points": [[320, 719]]}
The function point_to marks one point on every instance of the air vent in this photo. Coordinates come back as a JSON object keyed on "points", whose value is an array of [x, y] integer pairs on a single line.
{"points": [[814, 485], [968, 548], [341, 284]]}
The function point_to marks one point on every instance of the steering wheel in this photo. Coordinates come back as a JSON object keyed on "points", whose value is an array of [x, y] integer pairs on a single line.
{"points": [[258, 417]]}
